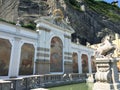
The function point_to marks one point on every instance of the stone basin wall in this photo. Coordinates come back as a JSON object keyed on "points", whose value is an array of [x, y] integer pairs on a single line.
{"points": [[40, 81]]}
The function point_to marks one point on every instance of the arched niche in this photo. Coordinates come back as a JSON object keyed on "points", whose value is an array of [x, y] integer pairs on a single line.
{"points": [[5, 52], [56, 55], [84, 63], [118, 66], [75, 62], [93, 64], [27, 59]]}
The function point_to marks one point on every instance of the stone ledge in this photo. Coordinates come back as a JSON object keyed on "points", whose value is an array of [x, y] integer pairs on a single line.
{"points": [[3, 82]]}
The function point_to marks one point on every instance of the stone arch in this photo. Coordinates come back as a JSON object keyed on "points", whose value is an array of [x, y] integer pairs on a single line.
{"points": [[56, 55], [5, 53], [84, 63], [75, 62], [56, 35], [27, 59]]}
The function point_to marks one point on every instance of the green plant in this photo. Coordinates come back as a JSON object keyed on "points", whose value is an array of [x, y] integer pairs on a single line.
{"points": [[30, 26], [7, 21], [105, 9]]}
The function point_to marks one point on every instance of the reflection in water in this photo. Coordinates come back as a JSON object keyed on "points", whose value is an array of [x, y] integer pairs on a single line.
{"points": [[81, 86]]}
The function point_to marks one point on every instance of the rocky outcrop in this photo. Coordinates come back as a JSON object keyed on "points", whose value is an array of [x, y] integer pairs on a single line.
{"points": [[29, 10], [9, 9], [90, 26]]}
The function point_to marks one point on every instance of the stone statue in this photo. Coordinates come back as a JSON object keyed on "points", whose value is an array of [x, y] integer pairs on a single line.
{"points": [[67, 20], [107, 77], [58, 15], [18, 22], [106, 48], [87, 44]]}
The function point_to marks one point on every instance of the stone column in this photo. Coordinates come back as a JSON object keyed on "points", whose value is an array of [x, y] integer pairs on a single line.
{"points": [[79, 62], [15, 57], [89, 64], [35, 55]]}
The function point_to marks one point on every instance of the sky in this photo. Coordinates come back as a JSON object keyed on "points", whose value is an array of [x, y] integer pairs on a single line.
{"points": [[109, 1]]}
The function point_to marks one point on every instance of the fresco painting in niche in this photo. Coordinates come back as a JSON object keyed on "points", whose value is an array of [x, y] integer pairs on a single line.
{"points": [[5, 52], [93, 64], [27, 59], [56, 62], [118, 66], [75, 63], [84, 63]]}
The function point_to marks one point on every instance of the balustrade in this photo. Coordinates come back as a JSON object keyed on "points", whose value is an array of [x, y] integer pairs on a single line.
{"points": [[5, 85], [37, 81]]}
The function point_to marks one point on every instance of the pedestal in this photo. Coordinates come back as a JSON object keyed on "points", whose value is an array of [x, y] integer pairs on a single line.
{"points": [[107, 74], [106, 86]]}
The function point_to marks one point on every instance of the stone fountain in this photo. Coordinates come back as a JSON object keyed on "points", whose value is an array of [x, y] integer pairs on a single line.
{"points": [[106, 62]]}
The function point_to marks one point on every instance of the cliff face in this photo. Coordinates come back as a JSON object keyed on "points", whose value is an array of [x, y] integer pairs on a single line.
{"points": [[91, 20], [9, 9]]}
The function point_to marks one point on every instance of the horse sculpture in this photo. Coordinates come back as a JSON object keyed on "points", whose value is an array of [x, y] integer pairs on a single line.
{"points": [[106, 48]]}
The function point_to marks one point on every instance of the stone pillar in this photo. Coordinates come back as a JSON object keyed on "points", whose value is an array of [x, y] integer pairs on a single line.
{"points": [[35, 55], [89, 64], [79, 62], [67, 55], [15, 57], [68, 67], [107, 75], [42, 67], [42, 61]]}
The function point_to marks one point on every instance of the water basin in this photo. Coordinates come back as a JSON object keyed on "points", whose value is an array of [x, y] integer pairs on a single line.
{"points": [[81, 86]]}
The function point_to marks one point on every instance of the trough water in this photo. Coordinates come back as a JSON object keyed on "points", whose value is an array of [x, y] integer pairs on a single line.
{"points": [[81, 86]]}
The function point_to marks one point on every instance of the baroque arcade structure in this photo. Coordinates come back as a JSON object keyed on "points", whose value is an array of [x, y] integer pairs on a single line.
{"points": [[48, 50]]}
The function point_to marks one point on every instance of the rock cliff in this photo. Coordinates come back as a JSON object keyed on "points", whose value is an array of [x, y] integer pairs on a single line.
{"points": [[91, 20]]}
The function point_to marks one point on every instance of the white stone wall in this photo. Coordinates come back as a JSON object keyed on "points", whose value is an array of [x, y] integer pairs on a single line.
{"points": [[48, 31], [41, 39], [17, 37], [80, 49]]}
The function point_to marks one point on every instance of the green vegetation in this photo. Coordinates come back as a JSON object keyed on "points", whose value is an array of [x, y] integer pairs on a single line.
{"points": [[31, 26], [110, 11], [106, 9], [7, 21]]}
